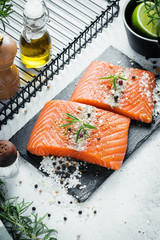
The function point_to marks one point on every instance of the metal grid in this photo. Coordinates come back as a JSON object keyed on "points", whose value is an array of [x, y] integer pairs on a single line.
{"points": [[73, 24]]}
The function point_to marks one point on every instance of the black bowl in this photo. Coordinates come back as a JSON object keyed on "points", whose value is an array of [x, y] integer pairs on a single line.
{"points": [[145, 46]]}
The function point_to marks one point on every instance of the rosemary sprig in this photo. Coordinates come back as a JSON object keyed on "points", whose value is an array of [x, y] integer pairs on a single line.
{"points": [[71, 120], [5, 10], [114, 77], [19, 226], [153, 12]]}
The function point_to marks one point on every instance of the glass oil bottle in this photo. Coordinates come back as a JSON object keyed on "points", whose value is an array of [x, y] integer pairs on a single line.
{"points": [[35, 41]]}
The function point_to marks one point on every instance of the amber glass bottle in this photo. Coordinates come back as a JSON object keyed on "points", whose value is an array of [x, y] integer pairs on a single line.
{"points": [[35, 41]]}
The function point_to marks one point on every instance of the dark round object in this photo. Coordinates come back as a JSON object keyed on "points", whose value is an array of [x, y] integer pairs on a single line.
{"points": [[8, 50], [145, 46], [8, 153], [33, 208]]}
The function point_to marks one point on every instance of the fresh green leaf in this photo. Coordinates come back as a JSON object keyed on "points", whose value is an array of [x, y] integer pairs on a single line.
{"points": [[122, 78], [67, 124], [78, 133], [73, 120], [85, 131], [5, 10], [89, 126], [114, 79], [72, 117], [155, 16], [22, 227]]}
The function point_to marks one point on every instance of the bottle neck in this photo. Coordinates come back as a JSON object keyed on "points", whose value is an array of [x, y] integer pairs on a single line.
{"points": [[34, 20], [33, 28]]}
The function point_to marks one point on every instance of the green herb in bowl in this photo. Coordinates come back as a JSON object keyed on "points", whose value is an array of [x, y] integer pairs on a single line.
{"points": [[146, 19]]}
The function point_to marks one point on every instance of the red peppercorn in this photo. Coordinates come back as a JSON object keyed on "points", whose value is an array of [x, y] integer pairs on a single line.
{"points": [[121, 82], [154, 101]]}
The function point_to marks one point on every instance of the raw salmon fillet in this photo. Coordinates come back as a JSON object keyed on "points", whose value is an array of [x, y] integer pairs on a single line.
{"points": [[104, 145], [130, 94]]}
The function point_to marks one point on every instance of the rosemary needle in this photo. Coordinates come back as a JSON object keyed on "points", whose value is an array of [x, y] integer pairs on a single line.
{"points": [[71, 120], [155, 9], [114, 77], [19, 225], [5, 10]]}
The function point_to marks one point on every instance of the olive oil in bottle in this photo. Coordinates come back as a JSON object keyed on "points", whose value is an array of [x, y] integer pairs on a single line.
{"points": [[37, 52], [35, 41]]}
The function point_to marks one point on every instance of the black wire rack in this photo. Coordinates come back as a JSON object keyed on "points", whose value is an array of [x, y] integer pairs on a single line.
{"points": [[73, 24]]}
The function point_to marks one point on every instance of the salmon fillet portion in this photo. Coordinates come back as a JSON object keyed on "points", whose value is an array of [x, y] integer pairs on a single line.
{"points": [[102, 140], [127, 91]]}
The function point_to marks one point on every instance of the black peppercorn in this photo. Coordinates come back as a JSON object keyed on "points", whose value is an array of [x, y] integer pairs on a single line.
{"points": [[61, 182], [60, 161], [153, 121], [33, 208], [115, 98], [71, 169], [78, 186], [63, 167]]}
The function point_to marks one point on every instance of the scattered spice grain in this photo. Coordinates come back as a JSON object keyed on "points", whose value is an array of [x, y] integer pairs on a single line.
{"points": [[33, 209]]}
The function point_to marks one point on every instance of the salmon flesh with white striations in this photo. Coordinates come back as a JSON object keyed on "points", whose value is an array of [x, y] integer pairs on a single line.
{"points": [[127, 91], [80, 131]]}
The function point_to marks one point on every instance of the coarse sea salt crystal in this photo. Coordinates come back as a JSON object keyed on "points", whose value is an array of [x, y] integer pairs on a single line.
{"points": [[65, 175], [156, 98]]}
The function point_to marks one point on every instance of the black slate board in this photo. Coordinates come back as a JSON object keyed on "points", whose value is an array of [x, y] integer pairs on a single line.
{"points": [[92, 176]]}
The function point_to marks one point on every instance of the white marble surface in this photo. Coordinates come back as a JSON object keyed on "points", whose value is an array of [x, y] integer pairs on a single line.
{"points": [[128, 203]]}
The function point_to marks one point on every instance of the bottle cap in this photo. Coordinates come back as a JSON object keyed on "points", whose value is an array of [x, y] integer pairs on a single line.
{"points": [[8, 153], [34, 9]]}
